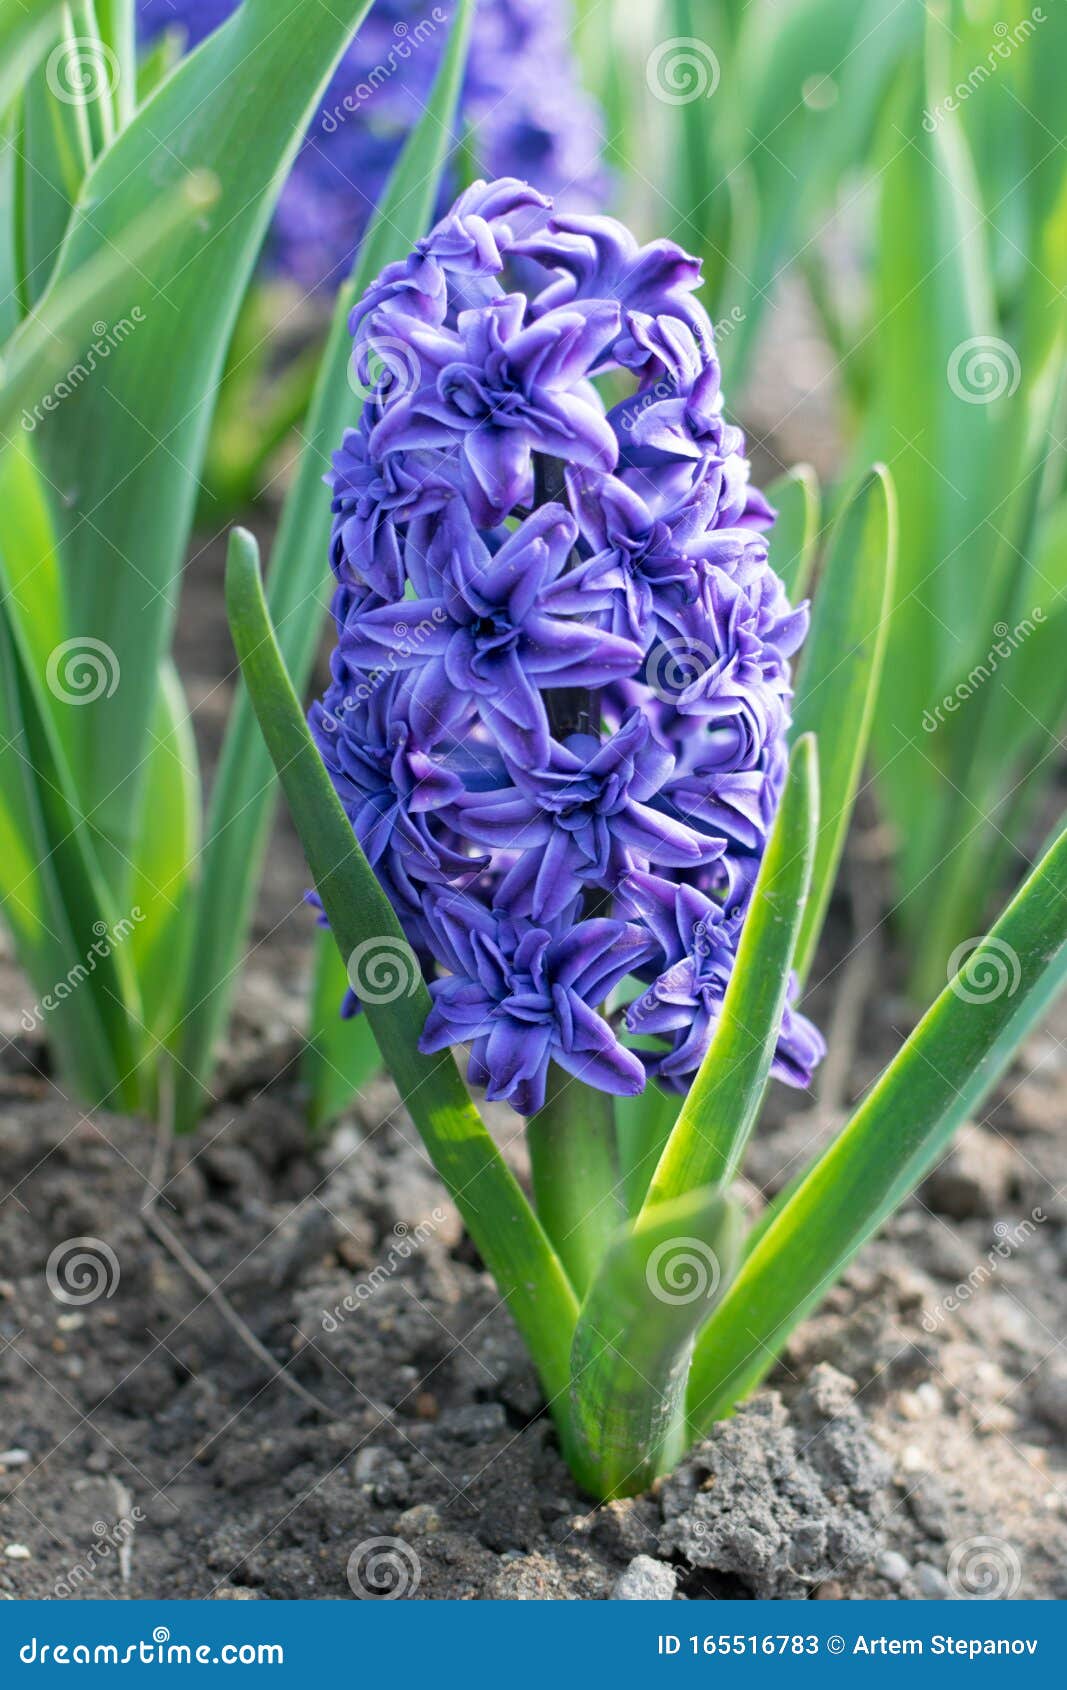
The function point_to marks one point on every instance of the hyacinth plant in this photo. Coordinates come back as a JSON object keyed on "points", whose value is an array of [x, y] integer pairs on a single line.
{"points": [[561, 802]]}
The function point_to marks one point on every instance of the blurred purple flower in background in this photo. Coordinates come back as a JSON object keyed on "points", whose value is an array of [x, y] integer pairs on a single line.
{"points": [[561, 688], [523, 112]]}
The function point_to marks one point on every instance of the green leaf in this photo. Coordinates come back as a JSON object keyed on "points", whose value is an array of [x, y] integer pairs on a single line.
{"points": [[165, 855], [937, 1080], [709, 1136], [795, 497], [642, 1126], [340, 1057], [505, 1229], [659, 1282], [54, 352], [66, 926], [56, 147], [26, 27], [242, 802], [840, 672], [126, 451], [935, 316]]}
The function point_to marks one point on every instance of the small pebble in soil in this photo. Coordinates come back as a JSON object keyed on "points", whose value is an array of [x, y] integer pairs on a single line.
{"points": [[932, 1582], [893, 1566], [645, 1580], [16, 1552]]}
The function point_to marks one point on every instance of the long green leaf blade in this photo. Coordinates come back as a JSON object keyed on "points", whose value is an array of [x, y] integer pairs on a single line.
{"points": [[709, 1136], [795, 496], [939, 1077], [243, 799], [126, 451], [840, 675]]}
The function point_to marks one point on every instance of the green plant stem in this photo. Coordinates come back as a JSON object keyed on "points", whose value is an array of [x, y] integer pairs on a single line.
{"points": [[574, 1164], [658, 1284]]}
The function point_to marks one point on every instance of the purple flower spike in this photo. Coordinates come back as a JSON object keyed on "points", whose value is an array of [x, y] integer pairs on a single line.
{"points": [[561, 687], [522, 112]]}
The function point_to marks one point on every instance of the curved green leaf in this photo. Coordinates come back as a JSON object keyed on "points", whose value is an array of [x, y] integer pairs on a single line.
{"points": [[840, 672], [795, 497], [938, 1078], [125, 453], [709, 1136], [504, 1227], [243, 797]]}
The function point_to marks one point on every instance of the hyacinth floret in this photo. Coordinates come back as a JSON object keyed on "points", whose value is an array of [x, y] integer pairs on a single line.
{"points": [[560, 696]]}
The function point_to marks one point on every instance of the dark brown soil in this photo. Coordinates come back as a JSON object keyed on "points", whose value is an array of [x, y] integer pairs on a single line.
{"points": [[909, 1444]]}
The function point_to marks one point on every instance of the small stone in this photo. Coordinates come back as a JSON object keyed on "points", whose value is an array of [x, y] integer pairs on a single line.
{"points": [[14, 1457], [475, 1422], [932, 1582], [645, 1580], [368, 1459], [893, 1566], [419, 1521], [235, 1593], [831, 1591], [17, 1552], [1050, 1396]]}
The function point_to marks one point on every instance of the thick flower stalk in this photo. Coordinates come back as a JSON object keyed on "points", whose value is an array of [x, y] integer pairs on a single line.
{"points": [[523, 112], [560, 697]]}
